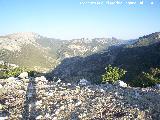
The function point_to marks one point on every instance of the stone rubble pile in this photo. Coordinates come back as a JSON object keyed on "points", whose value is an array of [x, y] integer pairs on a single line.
{"points": [[12, 97], [36, 98]]}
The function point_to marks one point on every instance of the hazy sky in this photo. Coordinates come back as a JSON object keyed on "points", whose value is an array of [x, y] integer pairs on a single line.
{"points": [[67, 19]]}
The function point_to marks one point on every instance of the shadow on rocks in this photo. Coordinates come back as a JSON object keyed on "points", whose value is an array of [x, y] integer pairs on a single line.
{"points": [[29, 109]]}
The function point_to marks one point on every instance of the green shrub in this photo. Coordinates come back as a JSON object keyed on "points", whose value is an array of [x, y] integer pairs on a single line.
{"points": [[112, 74], [14, 72], [149, 79], [9, 71]]}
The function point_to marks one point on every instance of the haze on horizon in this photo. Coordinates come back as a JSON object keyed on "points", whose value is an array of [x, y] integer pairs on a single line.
{"points": [[68, 19]]}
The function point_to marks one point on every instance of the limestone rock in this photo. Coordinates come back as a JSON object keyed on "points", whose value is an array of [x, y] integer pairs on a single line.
{"points": [[1, 86], [23, 75], [121, 83]]}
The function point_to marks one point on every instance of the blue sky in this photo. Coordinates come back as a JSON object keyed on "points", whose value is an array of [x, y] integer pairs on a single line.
{"points": [[67, 19]]}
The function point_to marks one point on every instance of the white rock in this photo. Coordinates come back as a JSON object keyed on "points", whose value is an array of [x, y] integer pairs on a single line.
{"points": [[37, 79], [68, 84], [1, 86], [47, 115], [116, 93], [4, 118], [57, 112], [13, 65], [12, 79], [39, 117], [59, 80], [89, 90], [78, 103], [43, 78], [51, 103], [20, 116], [121, 83], [102, 90], [83, 82], [38, 103], [62, 107], [7, 103], [55, 118], [23, 75]]}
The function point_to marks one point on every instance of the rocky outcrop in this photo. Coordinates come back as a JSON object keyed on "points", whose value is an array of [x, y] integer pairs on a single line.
{"points": [[36, 98]]}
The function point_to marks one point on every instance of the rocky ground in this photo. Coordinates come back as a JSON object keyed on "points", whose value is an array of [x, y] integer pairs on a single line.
{"points": [[36, 98]]}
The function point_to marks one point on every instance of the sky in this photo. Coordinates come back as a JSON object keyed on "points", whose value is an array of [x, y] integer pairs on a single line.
{"points": [[68, 19]]}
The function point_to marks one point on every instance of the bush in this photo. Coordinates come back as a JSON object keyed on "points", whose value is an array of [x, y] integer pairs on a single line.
{"points": [[149, 79], [112, 74], [9, 71], [13, 72]]}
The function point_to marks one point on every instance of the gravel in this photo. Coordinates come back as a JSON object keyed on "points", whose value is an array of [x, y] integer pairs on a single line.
{"points": [[36, 98]]}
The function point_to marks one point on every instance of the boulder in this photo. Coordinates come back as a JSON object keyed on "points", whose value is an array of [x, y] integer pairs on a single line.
{"points": [[23, 75], [83, 82], [121, 83]]}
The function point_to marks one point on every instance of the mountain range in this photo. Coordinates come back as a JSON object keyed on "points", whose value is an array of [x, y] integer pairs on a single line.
{"points": [[40, 53], [135, 57], [76, 59]]}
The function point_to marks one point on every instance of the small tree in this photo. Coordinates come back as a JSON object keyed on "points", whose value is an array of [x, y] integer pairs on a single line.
{"points": [[112, 74], [149, 79]]}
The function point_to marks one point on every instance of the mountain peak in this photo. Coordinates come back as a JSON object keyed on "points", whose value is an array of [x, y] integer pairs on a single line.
{"points": [[25, 35], [15, 41]]}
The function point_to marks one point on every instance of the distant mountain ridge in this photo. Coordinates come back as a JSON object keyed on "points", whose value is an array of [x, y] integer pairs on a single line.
{"points": [[40, 53], [84, 47]]}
